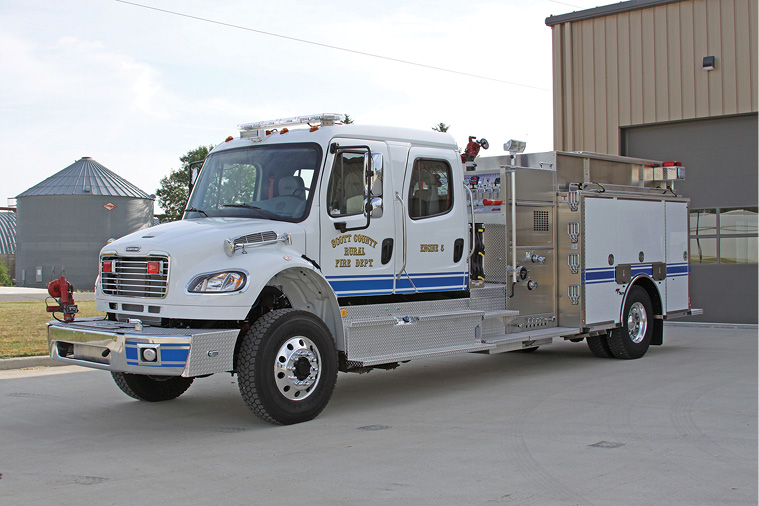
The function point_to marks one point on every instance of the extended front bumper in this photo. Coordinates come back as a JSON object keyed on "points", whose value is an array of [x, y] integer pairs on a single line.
{"points": [[132, 348]]}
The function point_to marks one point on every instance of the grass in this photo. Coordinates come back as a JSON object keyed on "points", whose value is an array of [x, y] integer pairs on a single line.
{"points": [[22, 326]]}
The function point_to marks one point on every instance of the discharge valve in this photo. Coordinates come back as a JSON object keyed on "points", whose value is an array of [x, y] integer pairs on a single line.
{"points": [[537, 259]]}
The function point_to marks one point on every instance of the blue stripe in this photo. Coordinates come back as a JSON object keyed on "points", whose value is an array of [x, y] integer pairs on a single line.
{"points": [[599, 275], [383, 284], [175, 353]]}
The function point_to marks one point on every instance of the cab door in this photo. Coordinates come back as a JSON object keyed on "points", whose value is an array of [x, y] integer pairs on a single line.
{"points": [[357, 260], [436, 229]]}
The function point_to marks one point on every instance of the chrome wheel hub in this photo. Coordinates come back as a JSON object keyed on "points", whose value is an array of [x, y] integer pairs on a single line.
{"points": [[296, 368], [637, 322]]}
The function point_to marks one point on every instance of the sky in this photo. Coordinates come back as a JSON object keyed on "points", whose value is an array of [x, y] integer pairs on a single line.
{"points": [[136, 88]]}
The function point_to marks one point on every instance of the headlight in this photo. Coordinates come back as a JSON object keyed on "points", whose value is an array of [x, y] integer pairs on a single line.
{"points": [[218, 282]]}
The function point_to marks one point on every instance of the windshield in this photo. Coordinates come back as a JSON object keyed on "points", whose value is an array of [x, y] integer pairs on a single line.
{"points": [[274, 182]]}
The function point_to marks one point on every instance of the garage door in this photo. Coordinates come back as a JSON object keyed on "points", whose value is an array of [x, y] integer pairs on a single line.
{"points": [[720, 156]]}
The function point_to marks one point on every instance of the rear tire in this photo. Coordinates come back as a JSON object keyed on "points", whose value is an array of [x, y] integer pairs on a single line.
{"points": [[599, 346], [287, 366], [151, 388], [632, 339]]}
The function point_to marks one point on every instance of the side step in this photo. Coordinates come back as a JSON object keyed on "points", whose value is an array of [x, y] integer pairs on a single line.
{"points": [[528, 339]]}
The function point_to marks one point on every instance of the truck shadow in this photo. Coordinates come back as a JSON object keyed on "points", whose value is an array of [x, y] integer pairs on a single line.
{"points": [[214, 405]]}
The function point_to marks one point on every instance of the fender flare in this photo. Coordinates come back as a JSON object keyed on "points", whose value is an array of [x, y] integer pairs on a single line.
{"points": [[303, 284], [306, 288]]}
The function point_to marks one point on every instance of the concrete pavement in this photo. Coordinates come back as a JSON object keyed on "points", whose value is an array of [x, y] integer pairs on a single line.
{"points": [[555, 427], [20, 294]]}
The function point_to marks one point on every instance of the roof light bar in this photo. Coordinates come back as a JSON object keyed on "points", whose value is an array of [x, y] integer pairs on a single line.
{"points": [[324, 119]]}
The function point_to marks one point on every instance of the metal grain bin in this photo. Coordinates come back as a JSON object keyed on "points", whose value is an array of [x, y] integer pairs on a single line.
{"points": [[64, 221]]}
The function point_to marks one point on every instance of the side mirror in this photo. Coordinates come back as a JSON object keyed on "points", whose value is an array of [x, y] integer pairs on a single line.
{"points": [[375, 207], [372, 175], [194, 173]]}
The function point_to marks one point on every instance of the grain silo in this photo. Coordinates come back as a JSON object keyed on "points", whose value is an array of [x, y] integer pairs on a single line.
{"points": [[64, 221], [8, 241]]}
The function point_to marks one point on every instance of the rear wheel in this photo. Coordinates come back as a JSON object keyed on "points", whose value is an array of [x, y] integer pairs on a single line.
{"points": [[287, 366], [633, 338], [599, 345], [151, 388]]}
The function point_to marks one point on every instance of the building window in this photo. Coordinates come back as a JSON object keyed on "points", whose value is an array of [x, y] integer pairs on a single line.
{"points": [[724, 235]]}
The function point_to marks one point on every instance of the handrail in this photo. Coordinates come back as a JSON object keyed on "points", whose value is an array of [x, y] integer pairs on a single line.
{"points": [[405, 243], [403, 222], [513, 197], [471, 201]]}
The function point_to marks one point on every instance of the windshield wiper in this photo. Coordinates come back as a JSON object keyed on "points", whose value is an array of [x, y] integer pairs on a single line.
{"points": [[196, 210], [244, 206], [263, 212]]}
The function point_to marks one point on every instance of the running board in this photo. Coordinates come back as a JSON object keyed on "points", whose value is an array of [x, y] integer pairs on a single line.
{"points": [[403, 357], [529, 338]]}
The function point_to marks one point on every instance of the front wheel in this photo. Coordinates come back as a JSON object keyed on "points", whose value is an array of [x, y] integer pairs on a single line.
{"points": [[151, 388], [633, 338], [287, 366]]}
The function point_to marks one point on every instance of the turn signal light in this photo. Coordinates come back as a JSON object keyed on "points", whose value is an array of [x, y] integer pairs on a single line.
{"points": [[673, 163], [154, 267], [492, 202], [107, 266]]}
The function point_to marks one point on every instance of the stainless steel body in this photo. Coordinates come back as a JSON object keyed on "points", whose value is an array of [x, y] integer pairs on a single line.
{"points": [[551, 225]]}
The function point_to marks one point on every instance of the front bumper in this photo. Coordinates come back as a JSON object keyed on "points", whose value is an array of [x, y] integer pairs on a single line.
{"points": [[133, 348]]}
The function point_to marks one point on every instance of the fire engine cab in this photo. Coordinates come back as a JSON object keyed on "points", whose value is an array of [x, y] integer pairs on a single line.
{"points": [[309, 246]]}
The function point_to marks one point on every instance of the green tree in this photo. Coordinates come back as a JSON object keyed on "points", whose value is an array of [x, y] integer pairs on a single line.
{"points": [[348, 120], [441, 127], [5, 279], [174, 190]]}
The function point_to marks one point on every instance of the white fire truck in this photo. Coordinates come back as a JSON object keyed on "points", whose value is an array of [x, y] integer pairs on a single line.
{"points": [[310, 247]]}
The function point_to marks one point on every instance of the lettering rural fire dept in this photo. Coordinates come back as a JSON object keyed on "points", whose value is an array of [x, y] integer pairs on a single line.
{"points": [[354, 251]]}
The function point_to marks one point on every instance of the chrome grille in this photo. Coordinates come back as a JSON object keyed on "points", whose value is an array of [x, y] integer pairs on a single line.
{"points": [[130, 277], [256, 237]]}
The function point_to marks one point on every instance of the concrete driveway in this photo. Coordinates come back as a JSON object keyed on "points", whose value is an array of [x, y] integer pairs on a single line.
{"points": [[20, 294], [555, 427]]}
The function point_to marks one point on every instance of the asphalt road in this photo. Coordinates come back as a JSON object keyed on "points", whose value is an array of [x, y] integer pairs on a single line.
{"points": [[555, 427]]}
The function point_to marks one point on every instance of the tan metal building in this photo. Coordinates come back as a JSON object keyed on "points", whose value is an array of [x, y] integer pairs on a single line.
{"points": [[675, 79]]}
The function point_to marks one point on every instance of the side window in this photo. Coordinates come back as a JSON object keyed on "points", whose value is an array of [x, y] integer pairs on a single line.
{"points": [[430, 190], [345, 193]]}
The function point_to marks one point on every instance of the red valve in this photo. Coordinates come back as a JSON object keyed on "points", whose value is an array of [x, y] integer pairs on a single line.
{"points": [[63, 293]]}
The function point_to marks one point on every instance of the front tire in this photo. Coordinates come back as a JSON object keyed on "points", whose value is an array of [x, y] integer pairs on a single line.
{"points": [[633, 338], [151, 388], [287, 366]]}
